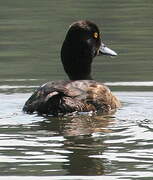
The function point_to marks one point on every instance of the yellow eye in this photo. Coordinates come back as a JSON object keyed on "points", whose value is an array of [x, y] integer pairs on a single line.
{"points": [[95, 35]]}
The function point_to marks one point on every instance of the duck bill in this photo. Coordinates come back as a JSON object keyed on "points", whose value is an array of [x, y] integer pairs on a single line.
{"points": [[106, 51]]}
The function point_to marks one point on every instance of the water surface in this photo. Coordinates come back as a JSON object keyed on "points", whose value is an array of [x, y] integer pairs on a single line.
{"points": [[84, 146]]}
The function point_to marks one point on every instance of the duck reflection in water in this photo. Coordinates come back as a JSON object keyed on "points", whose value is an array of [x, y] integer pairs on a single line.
{"points": [[80, 93], [78, 125], [80, 143]]}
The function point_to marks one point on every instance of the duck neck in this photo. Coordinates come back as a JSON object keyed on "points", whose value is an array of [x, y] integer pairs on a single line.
{"points": [[79, 72], [76, 61]]}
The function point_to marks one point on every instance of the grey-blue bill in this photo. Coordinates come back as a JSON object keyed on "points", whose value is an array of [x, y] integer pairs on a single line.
{"points": [[104, 50]]}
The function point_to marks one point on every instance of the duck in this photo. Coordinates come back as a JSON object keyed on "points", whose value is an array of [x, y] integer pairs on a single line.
{"points": [[81, 93]]}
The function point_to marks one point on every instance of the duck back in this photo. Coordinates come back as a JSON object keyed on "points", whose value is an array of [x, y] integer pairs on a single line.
{"points": [[62, 97]]}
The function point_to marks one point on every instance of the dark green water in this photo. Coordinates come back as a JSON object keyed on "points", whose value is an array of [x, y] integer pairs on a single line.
{"points": [[84, 147]]}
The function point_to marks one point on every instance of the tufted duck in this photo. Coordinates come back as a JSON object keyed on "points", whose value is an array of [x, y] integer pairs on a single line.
{"points": [[80, 93]]}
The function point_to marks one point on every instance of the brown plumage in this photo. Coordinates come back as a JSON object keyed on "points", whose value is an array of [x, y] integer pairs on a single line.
{"points": [[81, 93]]}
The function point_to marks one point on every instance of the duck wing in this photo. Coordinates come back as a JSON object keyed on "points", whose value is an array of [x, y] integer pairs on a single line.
{"points": [[54, 97]]}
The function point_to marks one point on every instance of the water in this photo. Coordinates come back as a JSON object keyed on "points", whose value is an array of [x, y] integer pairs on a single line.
{"points": [[80, 147]]}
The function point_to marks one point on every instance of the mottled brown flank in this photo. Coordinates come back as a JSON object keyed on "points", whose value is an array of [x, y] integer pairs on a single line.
{"points": [[103, 94]]}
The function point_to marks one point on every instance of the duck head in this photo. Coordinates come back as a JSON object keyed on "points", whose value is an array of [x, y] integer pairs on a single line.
{"points": [[81, 45]]}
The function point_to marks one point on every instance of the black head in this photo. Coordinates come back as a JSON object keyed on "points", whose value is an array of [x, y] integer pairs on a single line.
{"points": [[85, 34], [81, 45]]}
